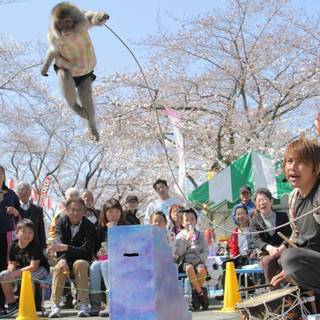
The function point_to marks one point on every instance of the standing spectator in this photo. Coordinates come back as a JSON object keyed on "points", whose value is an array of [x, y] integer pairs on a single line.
{"points": [[74, 243], [28, 210], [268, 242], [131, 211], [9, 203], [163, 203], [91, 213], [245, 200]]}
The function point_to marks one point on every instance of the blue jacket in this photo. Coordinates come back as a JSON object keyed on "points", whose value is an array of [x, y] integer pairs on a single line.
{"points": [[10, 199]]}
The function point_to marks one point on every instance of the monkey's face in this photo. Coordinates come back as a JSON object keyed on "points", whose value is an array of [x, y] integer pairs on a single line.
{"points": [[65, 26]]}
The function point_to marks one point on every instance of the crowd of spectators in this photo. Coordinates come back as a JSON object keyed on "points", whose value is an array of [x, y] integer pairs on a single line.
{"points": [[76, 246]]}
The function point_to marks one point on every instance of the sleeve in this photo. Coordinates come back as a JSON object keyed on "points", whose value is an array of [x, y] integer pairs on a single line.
{"points": [[57, 232], [205, 250], [12, 252], [233, 245], [148, 214], [294, 228], [257, 237], [181, 245], [41, 230]]}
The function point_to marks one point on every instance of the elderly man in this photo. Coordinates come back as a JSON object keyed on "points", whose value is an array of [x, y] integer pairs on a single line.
{"points": [[30, 211], [91, 213], [74, 243], [245, 201]]}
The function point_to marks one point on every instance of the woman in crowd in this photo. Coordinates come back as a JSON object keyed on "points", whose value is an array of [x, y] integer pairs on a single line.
{"points": [[111, 215], [269, 243]]}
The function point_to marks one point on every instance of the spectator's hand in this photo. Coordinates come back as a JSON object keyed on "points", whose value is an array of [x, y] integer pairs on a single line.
{"points": [[13, 212], [111, 224], [273, 251], [53, 248], [277, 279]]}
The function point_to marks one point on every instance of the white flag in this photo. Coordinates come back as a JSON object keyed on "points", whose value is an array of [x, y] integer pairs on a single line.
{"points": [[178, 138]]}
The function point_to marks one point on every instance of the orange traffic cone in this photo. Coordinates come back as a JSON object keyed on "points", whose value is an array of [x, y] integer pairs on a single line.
{"points": [[231, 287], [27, 308]]}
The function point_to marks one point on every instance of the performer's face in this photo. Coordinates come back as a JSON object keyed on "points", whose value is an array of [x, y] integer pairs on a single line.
{"points": [[300, 173]]}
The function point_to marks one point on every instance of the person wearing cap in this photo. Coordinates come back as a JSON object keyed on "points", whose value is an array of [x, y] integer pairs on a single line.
{"points": [[131, 211], [245, 198]]}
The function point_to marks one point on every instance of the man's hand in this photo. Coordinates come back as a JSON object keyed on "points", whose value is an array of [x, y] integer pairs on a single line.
{"points": [[277, 279], [13, 211], [57, 248]]}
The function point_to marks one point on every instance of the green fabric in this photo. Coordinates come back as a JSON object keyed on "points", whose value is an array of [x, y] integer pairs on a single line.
{"points": [[201, 194], [241, 174]]}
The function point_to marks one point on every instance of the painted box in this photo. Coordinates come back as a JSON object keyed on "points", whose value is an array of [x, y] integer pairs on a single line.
{"points": [[143, 280]]}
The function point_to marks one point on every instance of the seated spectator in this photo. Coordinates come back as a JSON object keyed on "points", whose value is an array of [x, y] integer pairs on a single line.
{"points": [[163, 202], [24, 255], [245, 201], [131, 211], [239, 244], [175, 218], [70, 193], [269, 243], [91, 213], [30, 211], [111, 215], [73, 243], [159, 219], [192, 250]]}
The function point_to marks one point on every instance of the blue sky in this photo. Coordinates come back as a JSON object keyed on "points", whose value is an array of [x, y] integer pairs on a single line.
{"points": [[131, 19]]}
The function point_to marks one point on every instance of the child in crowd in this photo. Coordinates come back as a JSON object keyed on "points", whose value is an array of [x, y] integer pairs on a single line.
{"points": [[24, 255], [111, 215], [159, 219], [192, 250]]}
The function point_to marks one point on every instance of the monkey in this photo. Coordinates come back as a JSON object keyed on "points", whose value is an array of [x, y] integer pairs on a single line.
{"points": [[70, 46]]}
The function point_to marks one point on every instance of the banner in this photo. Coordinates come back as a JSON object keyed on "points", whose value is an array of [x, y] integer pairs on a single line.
{"points": [[44, 190], [174, 119]]}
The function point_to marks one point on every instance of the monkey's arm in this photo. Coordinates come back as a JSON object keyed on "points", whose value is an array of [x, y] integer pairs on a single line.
{"points": [[96, 18], [47, 62]]}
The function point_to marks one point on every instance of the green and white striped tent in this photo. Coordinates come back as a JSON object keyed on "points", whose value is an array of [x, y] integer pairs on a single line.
{"points": [[253, 169]]}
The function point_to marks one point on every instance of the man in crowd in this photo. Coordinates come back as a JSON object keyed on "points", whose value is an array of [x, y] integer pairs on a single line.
{"points": [[30, 211], [73, 243], [91, 213], [163, 203], [131, 206], [245, 201]]}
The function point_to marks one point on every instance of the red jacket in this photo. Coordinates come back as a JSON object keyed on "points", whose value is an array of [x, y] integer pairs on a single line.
{"points": [[233, 243]]}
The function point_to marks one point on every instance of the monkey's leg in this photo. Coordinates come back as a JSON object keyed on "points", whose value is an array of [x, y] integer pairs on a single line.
{"points": [[86, 100], [69, 92]]}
